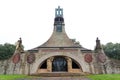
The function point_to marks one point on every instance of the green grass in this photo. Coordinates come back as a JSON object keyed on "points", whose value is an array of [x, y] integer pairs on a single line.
{"points": [[105, 77], [92, 77], [13, 77]]}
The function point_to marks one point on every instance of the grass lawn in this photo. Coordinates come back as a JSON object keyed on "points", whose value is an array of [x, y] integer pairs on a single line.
{"points": [[92, 77], [13, 77], [105, 77]]}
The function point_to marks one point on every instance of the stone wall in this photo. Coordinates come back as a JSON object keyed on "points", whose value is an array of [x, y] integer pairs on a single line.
{"points": [[23, 67]]}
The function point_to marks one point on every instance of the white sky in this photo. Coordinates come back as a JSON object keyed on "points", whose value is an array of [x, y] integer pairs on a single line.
{"points": [[84, 20]]}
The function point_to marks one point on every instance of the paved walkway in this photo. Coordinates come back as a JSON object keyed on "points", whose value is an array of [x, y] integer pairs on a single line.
{"points": [[57, 78]]}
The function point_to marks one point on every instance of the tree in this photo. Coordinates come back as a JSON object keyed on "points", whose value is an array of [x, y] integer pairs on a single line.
{"points": [[112, 50], [6, 51]]}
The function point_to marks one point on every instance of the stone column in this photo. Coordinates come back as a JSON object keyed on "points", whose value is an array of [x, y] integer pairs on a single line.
{"points": [[69, 64], [49, 64]]}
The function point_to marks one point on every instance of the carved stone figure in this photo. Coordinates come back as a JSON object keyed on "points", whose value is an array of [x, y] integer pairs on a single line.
{"points": [[19, 46]]}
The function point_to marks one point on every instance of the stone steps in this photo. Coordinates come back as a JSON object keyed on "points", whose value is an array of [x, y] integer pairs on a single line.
{"points": [[60, 74]]}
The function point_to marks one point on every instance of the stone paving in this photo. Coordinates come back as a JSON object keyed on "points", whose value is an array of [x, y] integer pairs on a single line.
{"points": [[57, 78]]}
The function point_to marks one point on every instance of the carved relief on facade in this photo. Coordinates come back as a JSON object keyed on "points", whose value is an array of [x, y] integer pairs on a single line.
{"points": [[16, 58]]}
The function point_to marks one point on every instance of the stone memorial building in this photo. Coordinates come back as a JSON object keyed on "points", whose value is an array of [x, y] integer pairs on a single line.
{"points": [[59, 54]]}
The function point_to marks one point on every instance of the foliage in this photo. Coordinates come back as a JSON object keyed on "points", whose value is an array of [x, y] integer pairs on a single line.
{"points": [[6, 51], [112, 50], [105, 77]]}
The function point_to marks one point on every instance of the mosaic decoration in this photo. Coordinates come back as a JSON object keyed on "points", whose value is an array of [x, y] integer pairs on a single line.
{"points": [[31, 58], [16, 58], [102, 57], [88, 58]]}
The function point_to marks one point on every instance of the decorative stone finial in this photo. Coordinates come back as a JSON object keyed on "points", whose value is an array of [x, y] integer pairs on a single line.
{"points": [[98, 44], [19, 46]]}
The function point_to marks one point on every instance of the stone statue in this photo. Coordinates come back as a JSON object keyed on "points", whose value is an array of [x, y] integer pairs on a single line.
{"points": [[19, 46]]}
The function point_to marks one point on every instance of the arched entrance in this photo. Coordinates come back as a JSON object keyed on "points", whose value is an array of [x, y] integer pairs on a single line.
{"points": [[59, 64]]}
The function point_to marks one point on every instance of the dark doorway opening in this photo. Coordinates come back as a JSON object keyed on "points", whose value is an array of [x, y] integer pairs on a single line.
{"points": [[44, 65], [59, 64], [75, 65]]}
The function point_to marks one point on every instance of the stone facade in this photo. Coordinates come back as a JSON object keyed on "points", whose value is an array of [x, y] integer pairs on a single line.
{"points": [[59, 54]]}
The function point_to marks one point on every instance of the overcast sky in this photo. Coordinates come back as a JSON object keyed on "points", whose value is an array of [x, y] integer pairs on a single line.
{"points": [[32, 20]]}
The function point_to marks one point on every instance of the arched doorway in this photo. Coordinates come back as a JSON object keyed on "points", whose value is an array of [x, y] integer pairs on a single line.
{"points": [[59, 64]]}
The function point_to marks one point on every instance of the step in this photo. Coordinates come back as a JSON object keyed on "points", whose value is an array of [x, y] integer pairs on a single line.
{"points": [[58, 74]]}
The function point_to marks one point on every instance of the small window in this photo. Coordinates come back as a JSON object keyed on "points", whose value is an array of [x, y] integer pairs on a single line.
{"points": [[59, 28]]}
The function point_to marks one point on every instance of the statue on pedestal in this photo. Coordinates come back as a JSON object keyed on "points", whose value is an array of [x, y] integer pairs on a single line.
{"points": [[19, 46]]}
